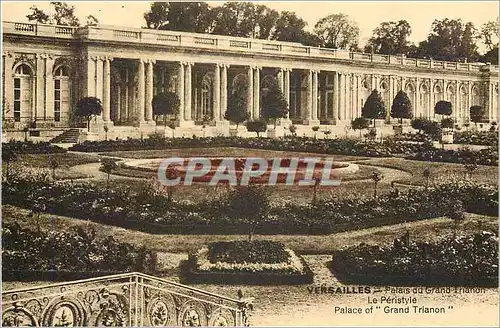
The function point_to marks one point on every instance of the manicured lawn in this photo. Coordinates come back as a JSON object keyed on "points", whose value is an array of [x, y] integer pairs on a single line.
{"points": [[224, 152], [483, 174], [420, 230], [64, 161]]}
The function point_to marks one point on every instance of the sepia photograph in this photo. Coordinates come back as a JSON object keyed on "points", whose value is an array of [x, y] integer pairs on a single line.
{"points": [[249, 163]]}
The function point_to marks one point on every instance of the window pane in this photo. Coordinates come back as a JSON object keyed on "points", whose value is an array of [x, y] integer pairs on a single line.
{"points": [[17, 116], [17, 83], [17, 94], [17, 106], [57, 116], [57, 106], [57, 95], [57, 84]]}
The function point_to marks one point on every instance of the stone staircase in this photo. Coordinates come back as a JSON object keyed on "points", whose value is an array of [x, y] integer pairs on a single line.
{"points": [[68, 136]]}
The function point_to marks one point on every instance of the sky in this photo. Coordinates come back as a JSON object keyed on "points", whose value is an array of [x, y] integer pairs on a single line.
{"points": [[368, 14]]}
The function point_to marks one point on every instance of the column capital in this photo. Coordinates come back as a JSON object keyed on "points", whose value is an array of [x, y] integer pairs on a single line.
{"points": [[108, 58], [256, 67]]}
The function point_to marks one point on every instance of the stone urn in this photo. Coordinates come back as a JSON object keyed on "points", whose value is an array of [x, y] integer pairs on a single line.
{"points": [[447, 136]]}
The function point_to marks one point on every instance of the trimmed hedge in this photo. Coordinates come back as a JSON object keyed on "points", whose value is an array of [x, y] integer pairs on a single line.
{"points": [[299, 144], [465, 260], [30, 147], [59, 253], [257, 262], [154, 213], [486, 138]]}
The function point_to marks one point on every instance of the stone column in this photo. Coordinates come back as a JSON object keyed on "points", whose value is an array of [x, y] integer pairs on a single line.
{"points": [[256, 93], [348, 105], [314, 115], [141, 92], [49, 86], [99, 77], [250, 92], [469, 101], [91, 76], [430, 108], [149, 92], [286, 91], [309, 95], [40, 88], [335, 113], [342, 97], [216, 105], [188, 92], [223, 91], [180, 90], [8, 84], [106, 92]]}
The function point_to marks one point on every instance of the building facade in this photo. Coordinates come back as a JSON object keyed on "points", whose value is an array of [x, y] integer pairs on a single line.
{"points": [[47, 68]]}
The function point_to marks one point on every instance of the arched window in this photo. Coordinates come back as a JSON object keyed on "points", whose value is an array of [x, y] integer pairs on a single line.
{"points": [[410, 91], [365, 92], [475, 96], [385, 94], [23, 92], [206, 98], [61, 93], [423, 100]]}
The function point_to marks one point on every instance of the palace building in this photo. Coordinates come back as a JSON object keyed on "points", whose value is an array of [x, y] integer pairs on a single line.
{"points": [[46, 69]]}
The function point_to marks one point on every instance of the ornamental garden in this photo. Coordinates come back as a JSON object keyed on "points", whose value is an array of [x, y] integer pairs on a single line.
{"points": [[427, 212]]}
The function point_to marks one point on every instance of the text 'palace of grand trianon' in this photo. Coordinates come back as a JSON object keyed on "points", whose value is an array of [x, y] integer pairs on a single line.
{"points": [[47, 69]]}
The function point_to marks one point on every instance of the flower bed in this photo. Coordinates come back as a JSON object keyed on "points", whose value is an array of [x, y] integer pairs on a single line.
{"points": [[486, 138], [30, 254], [29, 147], [247, 262], [465, 260], [299, 144], [487, 156], [154, 213]]}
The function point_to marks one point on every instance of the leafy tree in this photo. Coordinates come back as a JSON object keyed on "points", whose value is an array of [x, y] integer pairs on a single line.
{"points": [[360, 123], [454, 210], [63, 14], [290, 27], [374, 107], [476, 114], [250, 204], [390, 38], [53, 164], [274, 105], [108, 165], [427, 175], [452, 40], [315, 129], [337, 31], [432, 129], [401, 107], [257, 126], [443, 107], [8, 156], [237, 111], [447, 123], [180, 16], [420, 123], [489, 34], [166, 103], [88, 107], [245, 19], [491, 56], [376, 178]]}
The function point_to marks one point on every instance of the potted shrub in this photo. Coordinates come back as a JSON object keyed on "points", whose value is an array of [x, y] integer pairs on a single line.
{"points": [[237, 112], [401, 108], [447, 125]]}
